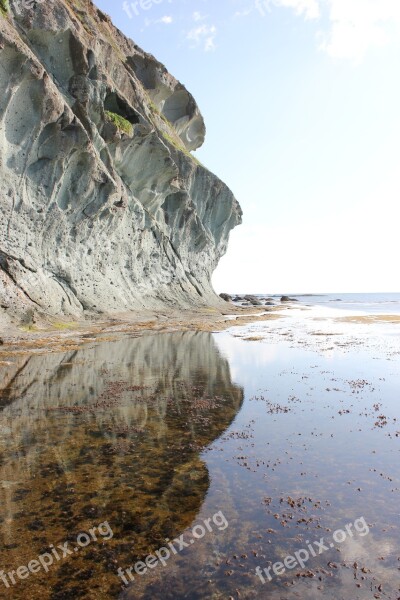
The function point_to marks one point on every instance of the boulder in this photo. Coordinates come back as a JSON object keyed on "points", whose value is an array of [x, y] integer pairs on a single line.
{"points": [[226, 297], [253, 300]]}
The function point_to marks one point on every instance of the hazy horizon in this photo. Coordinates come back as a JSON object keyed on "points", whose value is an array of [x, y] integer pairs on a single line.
{"points": [[291, 293]]}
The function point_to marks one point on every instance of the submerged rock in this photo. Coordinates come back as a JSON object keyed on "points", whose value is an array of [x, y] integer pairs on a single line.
{"points": [[104, 208]]}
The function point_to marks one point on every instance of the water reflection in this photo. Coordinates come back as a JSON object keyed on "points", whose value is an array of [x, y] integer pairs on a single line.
{"points": [[110, 433]]}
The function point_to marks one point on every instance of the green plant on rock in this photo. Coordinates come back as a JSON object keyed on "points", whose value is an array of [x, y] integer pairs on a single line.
{"points": [[120, 122], [172, 137], [156, 111], [4, 7], [179, 145]]}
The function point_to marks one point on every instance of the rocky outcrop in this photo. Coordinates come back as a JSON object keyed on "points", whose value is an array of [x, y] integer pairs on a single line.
{"points": [[103, 206], [226, 297]]}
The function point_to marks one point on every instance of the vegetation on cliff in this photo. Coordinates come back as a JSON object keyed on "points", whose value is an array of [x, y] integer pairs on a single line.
{"points": [[4, 7], [120, 122]]}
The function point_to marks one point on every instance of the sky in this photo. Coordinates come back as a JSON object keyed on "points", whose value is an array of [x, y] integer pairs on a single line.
{"points": [[301, 100]]}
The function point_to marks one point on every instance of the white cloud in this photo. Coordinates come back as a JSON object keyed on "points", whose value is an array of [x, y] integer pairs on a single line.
{"points": [[358, 25], [167, 20], [354, 26], [203, 35], [242, 13], [308, 8], [209, 44], [197, 16]]}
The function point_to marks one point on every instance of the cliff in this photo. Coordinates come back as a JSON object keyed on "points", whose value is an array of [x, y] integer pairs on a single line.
{"points": [[103, 207]]}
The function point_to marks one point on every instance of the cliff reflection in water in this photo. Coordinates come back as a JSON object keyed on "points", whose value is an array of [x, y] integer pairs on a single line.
{"points": [[110, 433]]}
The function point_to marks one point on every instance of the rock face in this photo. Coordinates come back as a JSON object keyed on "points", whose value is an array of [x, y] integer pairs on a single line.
{"points": [[226, 297], [103, 207]]}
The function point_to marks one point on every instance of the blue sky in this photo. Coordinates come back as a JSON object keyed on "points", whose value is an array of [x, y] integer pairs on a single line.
{"points": [[301, 100]]}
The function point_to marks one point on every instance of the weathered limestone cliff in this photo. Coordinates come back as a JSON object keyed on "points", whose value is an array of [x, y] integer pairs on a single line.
{"points": [[103, 207]]}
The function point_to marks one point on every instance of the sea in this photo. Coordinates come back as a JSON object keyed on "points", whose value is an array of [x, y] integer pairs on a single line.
{"points": [[373, 303]]}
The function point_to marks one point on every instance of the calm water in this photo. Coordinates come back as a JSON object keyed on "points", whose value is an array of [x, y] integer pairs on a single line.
{"points": [[368, 303], [365, 303], [154, 435]]}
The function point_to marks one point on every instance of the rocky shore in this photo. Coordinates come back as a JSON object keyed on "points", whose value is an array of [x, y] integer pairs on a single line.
{"points": [[61, 335]]}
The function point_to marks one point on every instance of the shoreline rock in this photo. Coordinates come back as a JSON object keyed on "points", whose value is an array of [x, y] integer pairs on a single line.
{"points": [[253, 300], [226, 297]]}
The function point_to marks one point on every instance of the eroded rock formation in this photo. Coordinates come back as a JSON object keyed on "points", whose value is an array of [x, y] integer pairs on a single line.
{"points": [[103, 206]]}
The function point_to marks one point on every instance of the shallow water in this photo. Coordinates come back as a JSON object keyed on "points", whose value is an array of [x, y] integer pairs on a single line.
{"points": [[155, 435]]}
